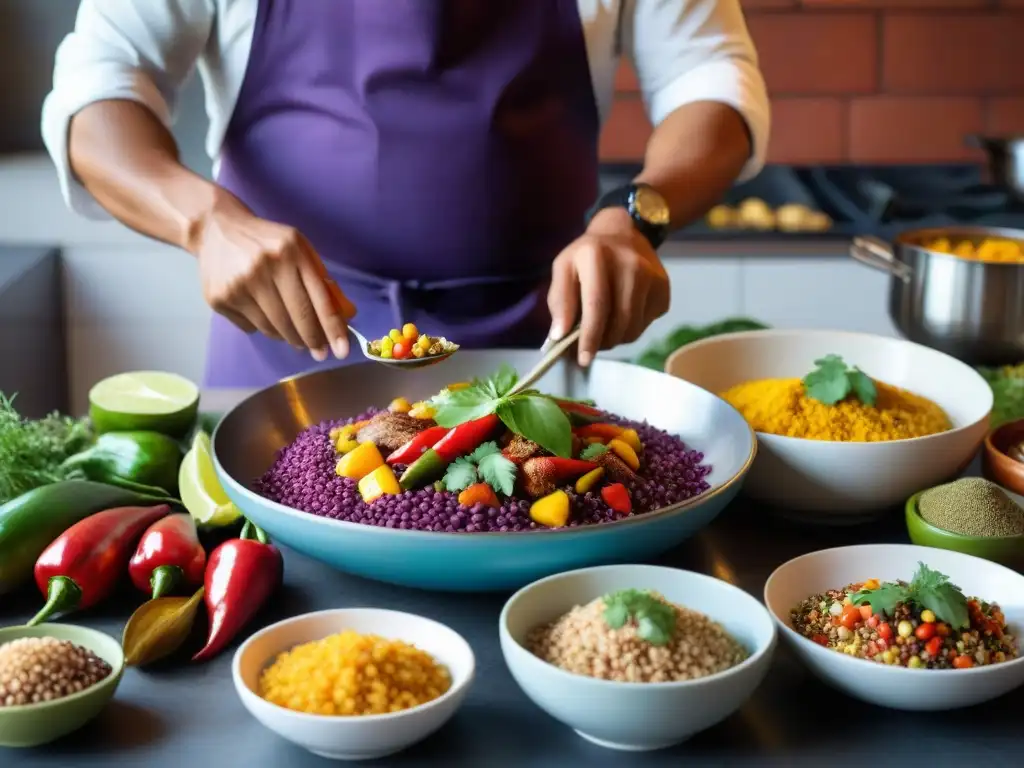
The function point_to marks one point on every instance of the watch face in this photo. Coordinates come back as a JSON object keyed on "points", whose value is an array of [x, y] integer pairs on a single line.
{"points": [[650, 206]]}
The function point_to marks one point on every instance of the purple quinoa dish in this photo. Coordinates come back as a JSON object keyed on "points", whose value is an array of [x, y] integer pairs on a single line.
{"points": [[461, 464]]}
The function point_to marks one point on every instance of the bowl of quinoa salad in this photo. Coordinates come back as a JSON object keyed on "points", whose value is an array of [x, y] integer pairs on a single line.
{"points": [[658, 654], [642, 462], [903, 626]]}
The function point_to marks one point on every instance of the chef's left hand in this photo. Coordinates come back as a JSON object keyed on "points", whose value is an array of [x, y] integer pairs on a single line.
{"points": [[614, 276]]}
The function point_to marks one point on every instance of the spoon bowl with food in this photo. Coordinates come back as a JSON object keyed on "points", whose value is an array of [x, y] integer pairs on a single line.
{"points": [[406, 347]]}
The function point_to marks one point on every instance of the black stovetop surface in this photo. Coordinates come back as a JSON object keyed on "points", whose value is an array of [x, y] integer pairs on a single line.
{"points": [[877, 200]]}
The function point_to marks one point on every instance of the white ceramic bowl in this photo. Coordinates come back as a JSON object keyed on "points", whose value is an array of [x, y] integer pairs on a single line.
{"points": [[890, 686], [361, 737], [832, 482], [636, 716]]}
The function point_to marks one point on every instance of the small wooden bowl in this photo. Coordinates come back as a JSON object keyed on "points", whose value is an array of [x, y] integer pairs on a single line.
{"points": [[996, 464]]}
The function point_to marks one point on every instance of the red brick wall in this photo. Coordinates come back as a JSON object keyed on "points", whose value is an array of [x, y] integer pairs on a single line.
{"points": [[871, 81]]}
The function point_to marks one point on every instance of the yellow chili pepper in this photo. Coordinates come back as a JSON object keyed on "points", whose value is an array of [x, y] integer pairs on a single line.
{"points": [[551, 510], [589, 480], [625, 452], [632, 439], [379, 482], [359, 462]]}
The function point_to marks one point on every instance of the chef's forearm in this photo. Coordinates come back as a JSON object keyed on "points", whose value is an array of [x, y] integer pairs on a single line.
{"points": [[125, 157], [694, 156]]}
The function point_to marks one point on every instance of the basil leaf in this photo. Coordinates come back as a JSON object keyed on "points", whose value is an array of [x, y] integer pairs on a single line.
{"points": [[538, 419], [501, 383], [499, 473], [882, 600], [947, 603], [462, 406], [460, 475]]}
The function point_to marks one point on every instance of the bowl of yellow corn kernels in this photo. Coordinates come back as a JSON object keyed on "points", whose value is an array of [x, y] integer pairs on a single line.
{"points": [[354, 683]]}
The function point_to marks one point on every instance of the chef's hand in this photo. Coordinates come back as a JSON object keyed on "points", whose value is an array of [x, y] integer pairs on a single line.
{"points": [[266, 277], [611, 280]]}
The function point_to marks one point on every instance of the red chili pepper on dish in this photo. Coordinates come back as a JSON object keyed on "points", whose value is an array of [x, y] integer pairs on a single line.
{"points": [[460, 441], [168, 555], [580, 414], [541, 475], [616, 496], [413, 449], [241, 574], [82, 565]]}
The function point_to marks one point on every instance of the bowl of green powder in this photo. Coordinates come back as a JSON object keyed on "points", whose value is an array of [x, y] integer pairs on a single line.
{"points": [[971, 515]]}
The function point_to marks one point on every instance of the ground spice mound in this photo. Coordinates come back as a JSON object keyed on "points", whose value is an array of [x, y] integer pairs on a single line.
{"points": [[781, 407], [582, 642], [302, 477], [38, 669], [353, 674], [972, 506]]}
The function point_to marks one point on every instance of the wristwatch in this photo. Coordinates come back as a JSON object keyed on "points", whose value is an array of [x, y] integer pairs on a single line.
{"points": [[645, 205]]}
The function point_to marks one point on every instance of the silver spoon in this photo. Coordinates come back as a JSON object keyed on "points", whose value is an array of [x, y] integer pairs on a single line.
{"points": [[552, 352], [409, 362]]}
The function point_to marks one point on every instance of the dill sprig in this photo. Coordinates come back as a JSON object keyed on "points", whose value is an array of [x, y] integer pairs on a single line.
{"points": [[32, 450]]}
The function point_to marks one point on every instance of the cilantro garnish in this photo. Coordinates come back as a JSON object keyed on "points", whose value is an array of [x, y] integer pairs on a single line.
{"points": [[832, 380], [486, 463], [530, 414], [655, 620], [928, 590], [592, 451]]}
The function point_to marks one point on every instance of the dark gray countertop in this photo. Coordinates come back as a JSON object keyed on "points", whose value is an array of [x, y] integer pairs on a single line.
{"points": [[186, 714]]}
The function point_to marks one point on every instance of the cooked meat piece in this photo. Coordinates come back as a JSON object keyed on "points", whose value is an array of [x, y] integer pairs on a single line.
{"points": [[520, 449], [615, 469], [390, 431], [537, 478]]}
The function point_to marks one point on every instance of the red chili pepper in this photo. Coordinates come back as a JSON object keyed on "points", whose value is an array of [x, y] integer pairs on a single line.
{"points": [[168, 553], [580, 414], [616, 496], [465, 438], [413, 449], [603, 432], [81, 566], [541, 475], [241, 574]]}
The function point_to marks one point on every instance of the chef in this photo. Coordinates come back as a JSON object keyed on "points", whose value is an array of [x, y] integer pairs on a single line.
{"points": [[425, 161]]}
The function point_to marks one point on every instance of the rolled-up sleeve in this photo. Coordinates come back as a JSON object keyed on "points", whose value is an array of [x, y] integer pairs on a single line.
{"points": [[143, 51], [686, 51]]}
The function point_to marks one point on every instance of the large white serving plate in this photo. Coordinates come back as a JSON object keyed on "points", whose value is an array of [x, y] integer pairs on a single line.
{"points": [[834, 482], [247, 439]]}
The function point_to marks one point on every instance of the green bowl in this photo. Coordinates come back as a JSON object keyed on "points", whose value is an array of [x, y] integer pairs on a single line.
{"points": [[1007, 550], [33, 724]]}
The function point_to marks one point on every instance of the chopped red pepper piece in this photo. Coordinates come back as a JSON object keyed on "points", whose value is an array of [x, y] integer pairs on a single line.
{"points": [[413, 449], [616, 496]]}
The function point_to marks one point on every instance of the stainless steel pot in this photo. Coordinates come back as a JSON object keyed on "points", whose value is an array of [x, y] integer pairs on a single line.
{"points": [[972, 310], [1005, 161]]}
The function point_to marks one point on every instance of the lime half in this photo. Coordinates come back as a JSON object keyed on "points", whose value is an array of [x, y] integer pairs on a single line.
{"points": [[200, 490], [144, 400]]}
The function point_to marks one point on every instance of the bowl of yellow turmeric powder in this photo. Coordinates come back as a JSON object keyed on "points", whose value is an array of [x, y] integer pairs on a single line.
{"points": [[849, 425], [354, 683]]}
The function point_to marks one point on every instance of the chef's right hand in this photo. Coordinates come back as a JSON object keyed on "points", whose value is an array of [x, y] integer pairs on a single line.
{"points": [[267, 277]]}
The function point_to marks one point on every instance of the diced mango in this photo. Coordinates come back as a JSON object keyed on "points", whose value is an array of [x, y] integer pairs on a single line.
{"points": [[346, 445], [589, 480], [400, 405], [632, 439], [479, 493], [422, 410], [346, 433], [551, 510], [359, 462], [380, 482], [626, 453]]}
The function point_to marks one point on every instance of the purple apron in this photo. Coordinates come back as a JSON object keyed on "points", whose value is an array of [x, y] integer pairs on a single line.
{"points": [[438, 154]]}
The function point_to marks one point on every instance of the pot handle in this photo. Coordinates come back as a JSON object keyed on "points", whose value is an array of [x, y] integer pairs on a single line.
{"points": [[877, 254]]}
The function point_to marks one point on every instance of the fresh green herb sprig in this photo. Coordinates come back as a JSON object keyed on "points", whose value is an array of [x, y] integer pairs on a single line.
{"points": [[528, 413], [655, 620], [928, 590], [486, 463], [592, 451], [32, 450], [832, 381]]}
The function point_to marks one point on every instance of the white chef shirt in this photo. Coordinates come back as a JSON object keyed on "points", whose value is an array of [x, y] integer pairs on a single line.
{"points": [[145, 51]]}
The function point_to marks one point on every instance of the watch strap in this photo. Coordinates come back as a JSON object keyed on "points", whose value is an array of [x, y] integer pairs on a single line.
{"points": [[622, 197]]}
